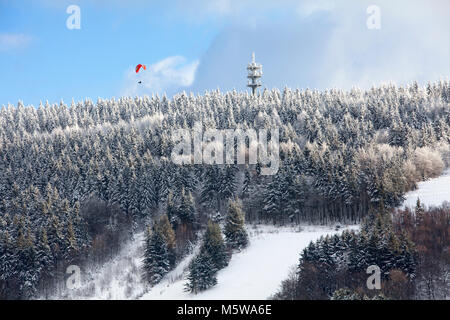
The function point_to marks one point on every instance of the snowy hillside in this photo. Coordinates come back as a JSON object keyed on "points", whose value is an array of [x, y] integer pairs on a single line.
{"points": [[117, 279], [432, 192], [254, 273]]}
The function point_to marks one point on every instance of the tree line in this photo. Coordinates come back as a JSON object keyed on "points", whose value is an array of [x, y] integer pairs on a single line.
{"points": [[409, 247]]}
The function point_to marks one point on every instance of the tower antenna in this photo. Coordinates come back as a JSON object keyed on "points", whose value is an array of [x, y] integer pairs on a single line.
{"points": [[254, 73]]}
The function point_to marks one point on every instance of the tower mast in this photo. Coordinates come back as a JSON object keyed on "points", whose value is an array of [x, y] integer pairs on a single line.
{"points": [[254, 73]]}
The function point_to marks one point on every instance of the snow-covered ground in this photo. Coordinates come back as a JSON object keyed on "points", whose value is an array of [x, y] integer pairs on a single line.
{"points": [[254, 273], [432, 192], [117, 279]]}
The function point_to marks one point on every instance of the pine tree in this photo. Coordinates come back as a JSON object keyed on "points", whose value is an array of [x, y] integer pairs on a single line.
{"points": [[186, 211], [246, 184], [172, 210], [8, 261], [210, 189], [163, 227], [156, 257], [45, 260], [202, 273], [227, 183], [214, 245], [272, 200], [235, 233], [28, 271]]}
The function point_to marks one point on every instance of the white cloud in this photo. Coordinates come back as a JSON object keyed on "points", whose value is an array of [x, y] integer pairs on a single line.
{"points": [[411, 44], [168, 75], [309, 7], [218, 11], [323, 44], [11, 41]]}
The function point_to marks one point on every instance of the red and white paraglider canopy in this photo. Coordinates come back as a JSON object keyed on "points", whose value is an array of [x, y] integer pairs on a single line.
{"points": [[139, 66]]}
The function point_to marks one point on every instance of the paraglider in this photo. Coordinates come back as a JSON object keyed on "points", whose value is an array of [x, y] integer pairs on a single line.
{"points": [[139, 66]]}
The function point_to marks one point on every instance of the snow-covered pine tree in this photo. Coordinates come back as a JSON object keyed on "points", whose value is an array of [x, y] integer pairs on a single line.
{"points": [[186, 210], [210, 189], [246, 184], [235, 233], [227, 186], [272, 205], [172, 209], [214, 245], [156, 262], [202, 273], [164, 227]]}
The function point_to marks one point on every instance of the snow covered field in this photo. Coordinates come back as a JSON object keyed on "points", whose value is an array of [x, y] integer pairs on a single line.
{"points": [[254, 273], [432, 192]]}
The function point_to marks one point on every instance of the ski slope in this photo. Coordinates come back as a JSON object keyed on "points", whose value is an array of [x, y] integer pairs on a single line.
{"points": [[432, 192], [117, 279], [254, 273]]}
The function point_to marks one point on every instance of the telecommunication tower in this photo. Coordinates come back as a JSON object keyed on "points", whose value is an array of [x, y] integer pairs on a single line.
{"points": [[254, 73]]}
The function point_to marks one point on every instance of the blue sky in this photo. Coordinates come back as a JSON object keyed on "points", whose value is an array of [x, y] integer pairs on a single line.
{"points": [[199, 45]]}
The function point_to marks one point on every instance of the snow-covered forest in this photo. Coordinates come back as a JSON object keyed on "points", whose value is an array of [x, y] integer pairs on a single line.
{"points": [[77, 180]]}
